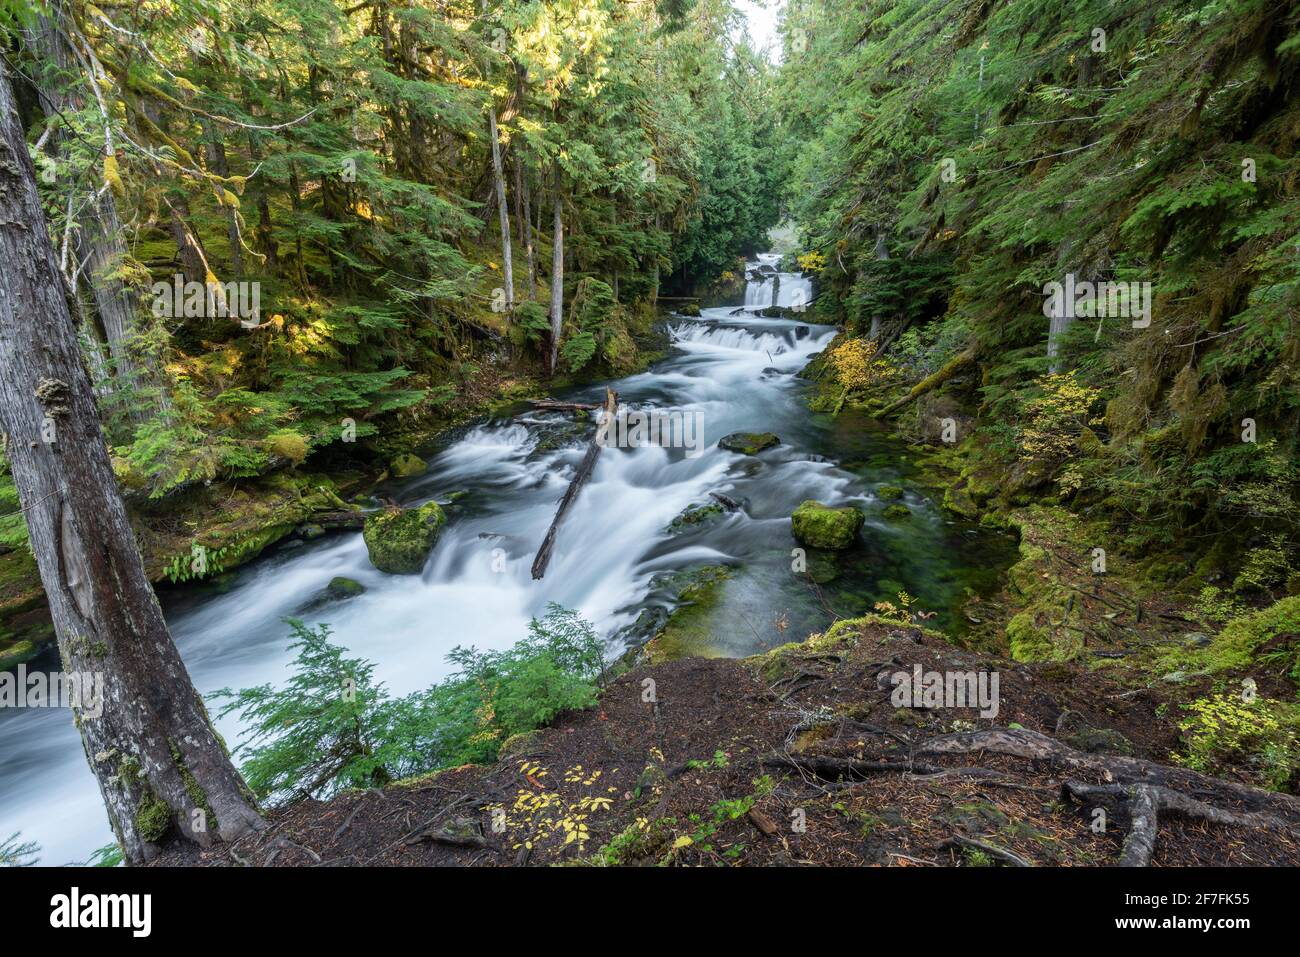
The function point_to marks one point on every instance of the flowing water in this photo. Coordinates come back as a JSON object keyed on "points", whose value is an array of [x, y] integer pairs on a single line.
{"points": [[733, 369]]}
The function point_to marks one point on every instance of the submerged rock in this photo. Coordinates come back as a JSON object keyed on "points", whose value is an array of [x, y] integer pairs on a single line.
{"points": [[889, 493], [897, 511], [748, 443], [399, 540], [340, 588], [407, 465], [694, 516], [820, 526]]}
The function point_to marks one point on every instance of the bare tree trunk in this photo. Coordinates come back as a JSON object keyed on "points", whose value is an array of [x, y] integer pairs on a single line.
{"points": [[557, 272], [507, 258], [98, 248], [161, 769]]}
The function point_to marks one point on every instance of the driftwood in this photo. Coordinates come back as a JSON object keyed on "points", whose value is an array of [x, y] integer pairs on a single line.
{"points": [[585, 469], [554, 405]]}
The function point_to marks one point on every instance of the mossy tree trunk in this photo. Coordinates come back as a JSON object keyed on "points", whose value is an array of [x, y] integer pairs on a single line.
{"points": [[161, 769]]}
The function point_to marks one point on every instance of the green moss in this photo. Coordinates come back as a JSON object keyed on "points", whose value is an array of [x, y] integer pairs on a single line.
{"points": [[889, 493], [897, 511], [17, 653], [516, 743], [407, 465], [153, 819], [340, 588], [695, 515], [399, 540], [1027, 641], [689, 629], [1242, 641], [820, 526]]}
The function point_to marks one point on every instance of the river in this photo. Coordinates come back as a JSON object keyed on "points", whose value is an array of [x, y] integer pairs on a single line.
{"points": [[732, 369]]}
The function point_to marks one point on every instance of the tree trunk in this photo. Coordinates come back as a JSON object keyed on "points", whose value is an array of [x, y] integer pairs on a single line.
{"points": [[161, 769], [507, 258], [98, 247], [654, 279], [557, 273], [218, 164], [525, 217]]}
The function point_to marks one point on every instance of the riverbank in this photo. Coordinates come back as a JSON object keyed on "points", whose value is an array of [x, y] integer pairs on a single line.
{"points": [[804, 756]]}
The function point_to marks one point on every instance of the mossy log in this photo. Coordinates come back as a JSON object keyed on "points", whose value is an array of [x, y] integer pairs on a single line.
{"points": [[932, 381]]}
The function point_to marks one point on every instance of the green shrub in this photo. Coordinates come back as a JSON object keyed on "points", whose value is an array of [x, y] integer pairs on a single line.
{"points": [[1224, 731], [332, 727]]}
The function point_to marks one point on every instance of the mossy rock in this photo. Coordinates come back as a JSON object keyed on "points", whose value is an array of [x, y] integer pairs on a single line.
{"points": [[889, 493], [957, 499], [695, 515], [748, 443], [691, 309], [821, 526], [407, 465], [399, 540], [1074, 730], [341, 587], [896, 511]]}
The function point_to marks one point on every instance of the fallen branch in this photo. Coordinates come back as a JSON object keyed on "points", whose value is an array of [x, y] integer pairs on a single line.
{"points": [[1001, 853], [834, 768], [584, 472], [555, 405], [931, 382]]}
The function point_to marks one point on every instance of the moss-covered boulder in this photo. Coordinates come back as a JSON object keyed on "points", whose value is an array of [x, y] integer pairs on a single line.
{"points": [[748, 443], [407, 465], [820, 526], [897, 511], [691, 309], [889, 493], [340, 588], [693, 516], [399, 540]]}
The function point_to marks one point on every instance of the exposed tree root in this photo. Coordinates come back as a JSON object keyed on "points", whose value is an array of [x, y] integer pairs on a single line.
{"points": [[1143, 789]]}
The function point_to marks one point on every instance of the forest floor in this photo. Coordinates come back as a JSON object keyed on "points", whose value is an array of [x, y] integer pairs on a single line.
{"points": [[800, 757]]}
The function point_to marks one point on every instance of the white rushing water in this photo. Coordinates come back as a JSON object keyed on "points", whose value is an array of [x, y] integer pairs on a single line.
{"points": [[735, 373], [791, 290]]}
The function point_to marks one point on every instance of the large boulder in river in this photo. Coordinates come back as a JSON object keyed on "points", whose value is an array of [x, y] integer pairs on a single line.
{"points": [[748, 443], [399, 540], [820, 526]]}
